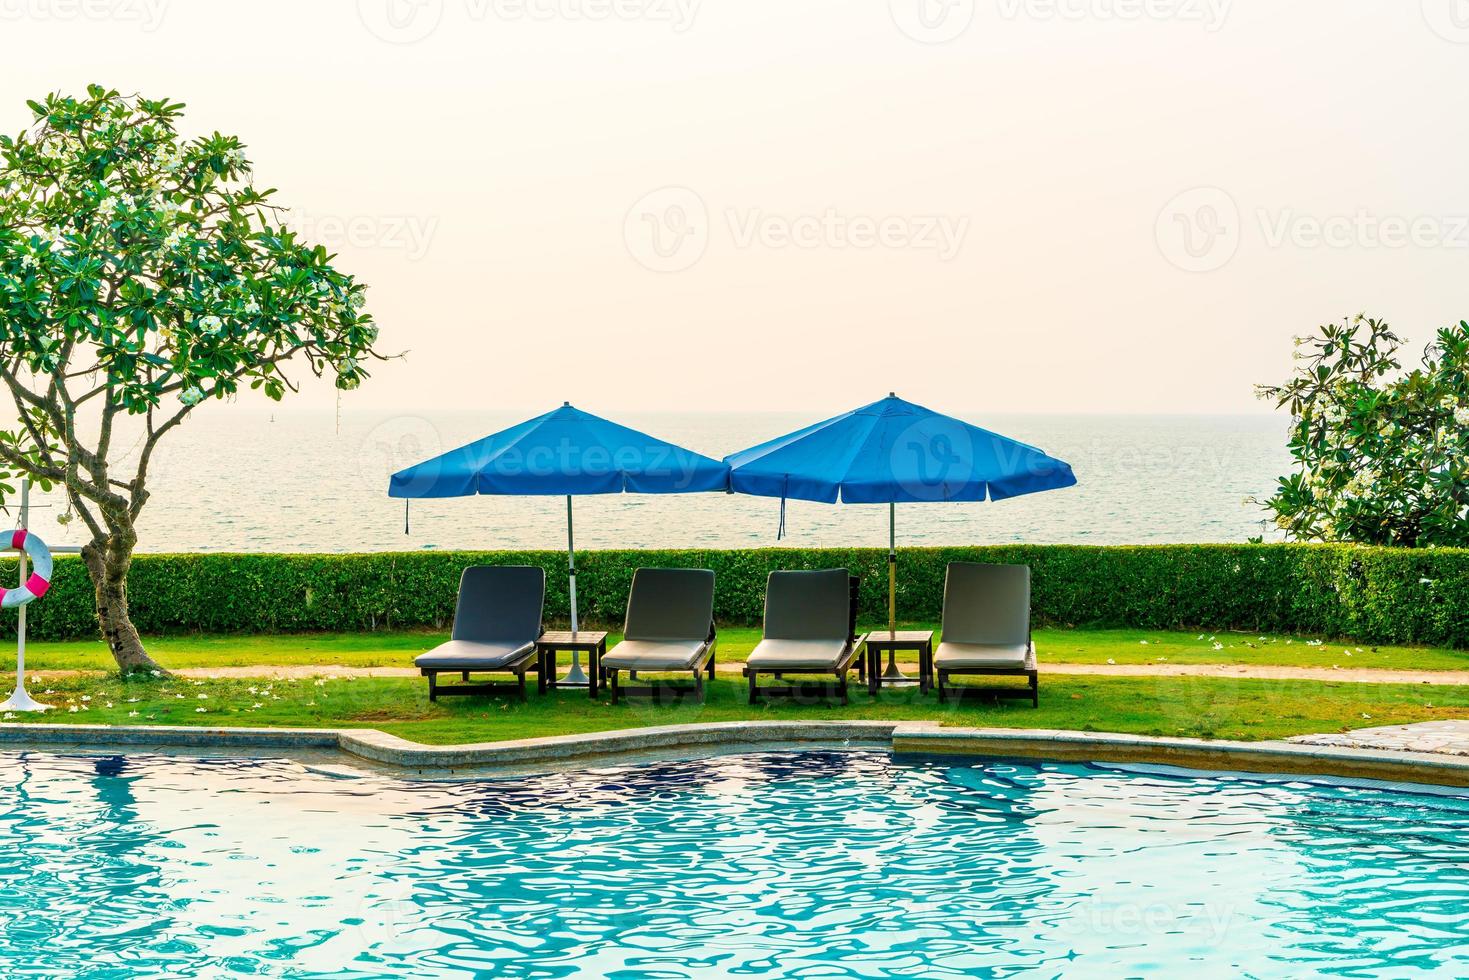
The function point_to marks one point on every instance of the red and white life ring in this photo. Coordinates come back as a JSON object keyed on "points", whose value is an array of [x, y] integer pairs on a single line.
{"points": [[40, 557]]}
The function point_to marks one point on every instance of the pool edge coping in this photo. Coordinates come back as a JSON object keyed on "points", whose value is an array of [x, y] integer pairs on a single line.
{"points": [[902, 738]]}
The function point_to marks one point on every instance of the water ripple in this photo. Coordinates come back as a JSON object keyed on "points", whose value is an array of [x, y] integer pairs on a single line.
{"points": [[811, 865]]}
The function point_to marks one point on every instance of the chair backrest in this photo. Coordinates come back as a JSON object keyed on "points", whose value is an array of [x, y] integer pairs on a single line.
{"points": [[814, 605], [500, 603], [987, 603], [670, 604]]}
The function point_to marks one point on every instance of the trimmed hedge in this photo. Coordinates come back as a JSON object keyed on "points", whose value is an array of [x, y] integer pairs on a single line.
{"points": [[1373, 594]]}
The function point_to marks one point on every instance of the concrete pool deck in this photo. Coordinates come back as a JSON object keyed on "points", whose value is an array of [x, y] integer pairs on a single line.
{"points": [[1400, 761]]}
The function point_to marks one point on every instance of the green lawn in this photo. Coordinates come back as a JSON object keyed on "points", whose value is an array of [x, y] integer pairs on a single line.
{"points": [[1207, 707], [1224, 708], [396, 649]]}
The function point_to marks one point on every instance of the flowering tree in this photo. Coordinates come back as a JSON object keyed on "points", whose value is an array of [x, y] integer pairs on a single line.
{"points": [[142, 275], [1382, 455]]}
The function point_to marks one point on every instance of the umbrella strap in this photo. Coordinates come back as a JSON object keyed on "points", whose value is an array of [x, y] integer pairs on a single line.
{"points": [[780, 531]]}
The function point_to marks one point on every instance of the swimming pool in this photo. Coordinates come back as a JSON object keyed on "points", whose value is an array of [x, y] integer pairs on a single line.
{"points": [[784, 864]]}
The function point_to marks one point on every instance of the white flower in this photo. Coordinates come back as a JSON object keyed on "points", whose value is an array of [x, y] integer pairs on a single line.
{"points": [[211, 325], [9, 716], [132, 714], [203, 697], [1219, 646], [200, 711], [192, 395]]}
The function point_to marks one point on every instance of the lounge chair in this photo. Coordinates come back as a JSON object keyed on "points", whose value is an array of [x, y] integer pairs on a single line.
{"points": [[496, 624], [810, 628], [987, 629], [669, 629]]}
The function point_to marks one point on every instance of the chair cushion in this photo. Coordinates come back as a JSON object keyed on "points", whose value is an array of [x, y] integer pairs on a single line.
{"points": [[821, 656], [468, 655], [654, 655], [986, 656]]}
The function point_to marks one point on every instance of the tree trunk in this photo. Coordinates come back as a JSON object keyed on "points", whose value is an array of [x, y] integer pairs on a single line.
{"points": [[108, 560]]}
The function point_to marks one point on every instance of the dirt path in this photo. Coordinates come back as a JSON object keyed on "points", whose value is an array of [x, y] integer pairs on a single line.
{"points": [[1241, 671]]}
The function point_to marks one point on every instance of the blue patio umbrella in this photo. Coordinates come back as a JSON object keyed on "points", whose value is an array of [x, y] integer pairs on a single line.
{"points": [[893, 452], [567, 453]]}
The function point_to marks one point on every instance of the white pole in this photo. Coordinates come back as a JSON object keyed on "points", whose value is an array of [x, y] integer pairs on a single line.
{"points": [[574, 676], [20, 699]]}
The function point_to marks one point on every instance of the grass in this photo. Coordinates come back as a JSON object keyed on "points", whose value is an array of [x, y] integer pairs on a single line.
{"points": [[1198, 707], [1127, 646]]}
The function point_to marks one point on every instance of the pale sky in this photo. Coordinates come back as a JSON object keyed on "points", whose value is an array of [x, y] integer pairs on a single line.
{"points": [[986, 205]]}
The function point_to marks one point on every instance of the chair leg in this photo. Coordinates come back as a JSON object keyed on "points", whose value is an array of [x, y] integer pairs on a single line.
{"points": [[699, 685], [943, 695], [520, 683], [433, 688], [1035, 690], [754, 691], [842, 688], [616, 688], [710, 666]]}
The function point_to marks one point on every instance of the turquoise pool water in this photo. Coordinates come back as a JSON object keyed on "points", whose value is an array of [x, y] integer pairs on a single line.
{"points": [[790, 864]]}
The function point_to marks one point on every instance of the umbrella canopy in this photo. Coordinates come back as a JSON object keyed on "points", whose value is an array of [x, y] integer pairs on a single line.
{"points": [[894, 451], [567, 452]]}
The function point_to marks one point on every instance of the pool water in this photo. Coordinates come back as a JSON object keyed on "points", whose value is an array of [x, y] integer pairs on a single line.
{"points": [[787, 864]]}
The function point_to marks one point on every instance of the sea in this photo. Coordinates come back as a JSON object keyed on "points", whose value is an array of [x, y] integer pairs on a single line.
{"points": [[239, 480]]}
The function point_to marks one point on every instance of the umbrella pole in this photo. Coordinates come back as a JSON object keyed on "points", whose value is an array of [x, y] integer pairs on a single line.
{"points": [[575, 676], [892, 672]]}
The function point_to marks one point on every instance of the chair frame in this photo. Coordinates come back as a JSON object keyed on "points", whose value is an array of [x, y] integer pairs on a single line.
{"points": [[810, 692], [655, 690], [1030, 670], [517, 668]]}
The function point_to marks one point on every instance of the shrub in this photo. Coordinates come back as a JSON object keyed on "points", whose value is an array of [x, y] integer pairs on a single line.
{"points": [[1372, 594]]}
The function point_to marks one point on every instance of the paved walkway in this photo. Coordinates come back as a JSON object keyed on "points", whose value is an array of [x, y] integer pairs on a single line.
{"points": [[1238, 671], [1443, 737]]}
